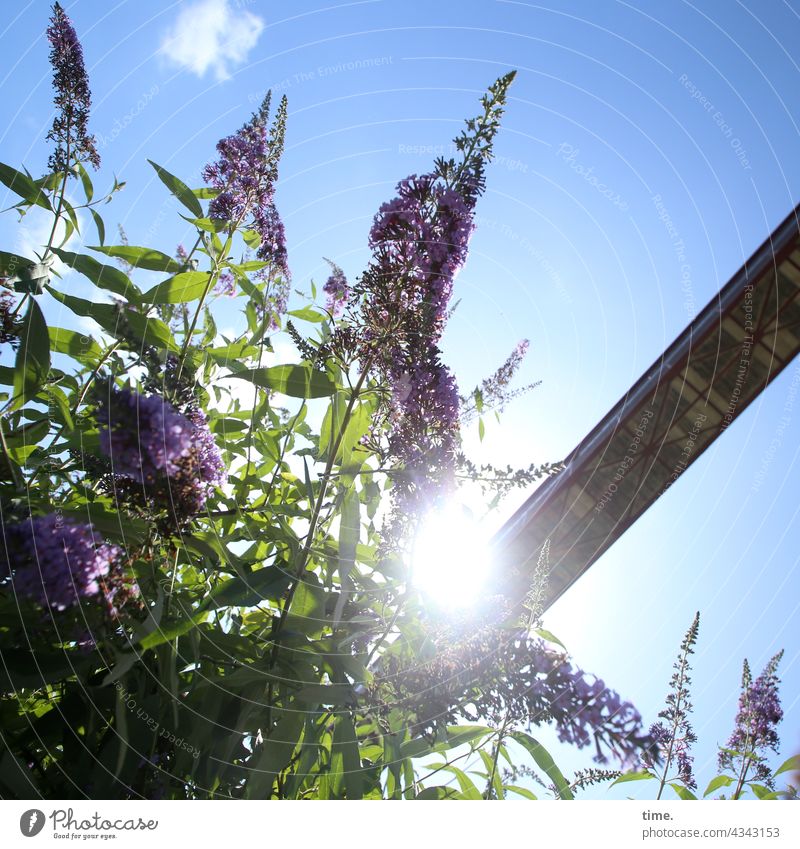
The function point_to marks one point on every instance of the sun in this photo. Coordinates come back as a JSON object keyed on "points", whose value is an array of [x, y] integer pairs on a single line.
{"points": [[451, 557]]}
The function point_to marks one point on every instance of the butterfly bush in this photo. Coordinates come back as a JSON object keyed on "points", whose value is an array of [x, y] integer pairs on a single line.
{"points": [[56, 561], [9, 329], [263, 596], [336, 289], [244, 177], [755, 732], [481, 670], [668, 758], [148, 441], [143, 436], [419, 241], [73, 98], [673, 735]]}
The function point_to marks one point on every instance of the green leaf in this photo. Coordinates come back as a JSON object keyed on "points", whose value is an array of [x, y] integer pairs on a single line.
{"points": [[468, 788], [22, 185], [21, 443], [543, 759], [683, 792], [98, 223], [26, 275], [59, 400], [79, 346], [345, 756], [644, 775], [183, 287], [309, 314], [117, 321], [762, 792], [268, 583], [147, 258], [716, 783], [349, 532], [150, 330], [481, 429], [33, 356], [522, 791], [249, 265], [297, 381], [103, 276], [792, 764], [308, 759], [233, 353], [252, 238], [28, 434], [497, 784], [113, 525], [357, 426], [179, 189], [210, 225], [274, 754], [205, 193], [121, 729], [238, 592], [227, 426], [11, 264], [546, 635], [326, 694], [438, 792], [88, 188], [457, 735]]}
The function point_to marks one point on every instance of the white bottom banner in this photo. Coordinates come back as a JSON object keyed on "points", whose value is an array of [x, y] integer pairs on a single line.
{"points": [[346, 825]]}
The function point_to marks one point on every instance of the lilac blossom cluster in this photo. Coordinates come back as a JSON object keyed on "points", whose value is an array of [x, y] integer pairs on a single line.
{"points": [[244, 176], [336, 289], [202, 469], [72, 96], [419, 241], [584, 710], [8, 324], [674, 736], [420, 238], [476, 672], [143, 436], [56, 561], [493, 392], [423, 434], [148, 441], [226, 285], [754, 734]]}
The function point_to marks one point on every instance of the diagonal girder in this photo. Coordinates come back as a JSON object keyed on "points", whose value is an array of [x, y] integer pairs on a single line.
{"points": [[732, 350]]}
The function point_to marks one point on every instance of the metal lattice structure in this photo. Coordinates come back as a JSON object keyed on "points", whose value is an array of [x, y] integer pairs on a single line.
{"points": [[719, 364]]}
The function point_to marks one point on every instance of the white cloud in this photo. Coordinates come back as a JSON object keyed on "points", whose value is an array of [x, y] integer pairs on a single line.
{"points": [[213, 35]]}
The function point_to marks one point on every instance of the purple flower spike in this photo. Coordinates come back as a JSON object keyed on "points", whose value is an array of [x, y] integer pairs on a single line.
{"points": [[202, 470], [336, 289], [56, 561], [150, 442], [8, 324], [73, 97], [673, 736], [759, 713], [144, 436], [245, 175]]}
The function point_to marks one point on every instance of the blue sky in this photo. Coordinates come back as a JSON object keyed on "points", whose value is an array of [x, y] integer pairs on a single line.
{"points": [[617, 107]]}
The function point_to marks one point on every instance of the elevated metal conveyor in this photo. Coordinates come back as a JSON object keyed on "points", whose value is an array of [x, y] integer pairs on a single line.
{"points": [[721, 362]]}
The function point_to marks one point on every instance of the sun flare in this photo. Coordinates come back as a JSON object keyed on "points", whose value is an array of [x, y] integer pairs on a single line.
{"points": [[451, 557]]}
